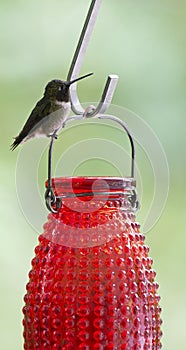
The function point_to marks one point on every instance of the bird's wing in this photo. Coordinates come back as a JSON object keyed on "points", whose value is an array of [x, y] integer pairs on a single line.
{"points": [[40, 111]]}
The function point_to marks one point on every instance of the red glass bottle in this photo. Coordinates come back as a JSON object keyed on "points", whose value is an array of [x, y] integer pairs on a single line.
{"points": [[92, 286]]}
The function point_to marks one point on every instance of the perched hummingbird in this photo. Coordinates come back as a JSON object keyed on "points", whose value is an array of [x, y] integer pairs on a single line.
{"points": [[50, 112]]}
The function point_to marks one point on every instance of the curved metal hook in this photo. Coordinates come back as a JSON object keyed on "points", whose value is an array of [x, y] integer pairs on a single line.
{"points": [[53, 202], [77, 62]]}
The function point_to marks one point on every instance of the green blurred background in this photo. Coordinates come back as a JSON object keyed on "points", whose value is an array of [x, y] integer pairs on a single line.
{"points": [[144, 43]]}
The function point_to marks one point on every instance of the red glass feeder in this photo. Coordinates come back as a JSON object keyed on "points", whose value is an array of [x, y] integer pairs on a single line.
{"points": [[92, 285]]}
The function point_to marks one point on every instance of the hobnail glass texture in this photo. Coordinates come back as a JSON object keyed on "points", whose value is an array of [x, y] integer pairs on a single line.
{"points": [[92, 285]]}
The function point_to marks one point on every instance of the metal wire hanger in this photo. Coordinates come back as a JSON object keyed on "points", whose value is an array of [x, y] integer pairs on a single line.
{"points": [[91, 111]]}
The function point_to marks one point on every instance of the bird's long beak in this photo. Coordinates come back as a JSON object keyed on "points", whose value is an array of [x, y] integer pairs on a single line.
{"points": [[74, 81]]}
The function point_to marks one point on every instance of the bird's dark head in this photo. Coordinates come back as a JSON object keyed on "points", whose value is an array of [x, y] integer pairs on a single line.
{"points": [[59, 90]]}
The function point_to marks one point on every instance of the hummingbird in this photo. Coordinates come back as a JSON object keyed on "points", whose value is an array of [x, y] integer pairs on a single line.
{"points": [[50, 113]]}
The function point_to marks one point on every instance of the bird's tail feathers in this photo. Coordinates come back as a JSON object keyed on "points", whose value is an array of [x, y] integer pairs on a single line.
{"points": [[17, 141]]}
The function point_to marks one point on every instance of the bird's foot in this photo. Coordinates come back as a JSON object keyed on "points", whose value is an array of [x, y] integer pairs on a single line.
{"points": [[53, 135]]}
